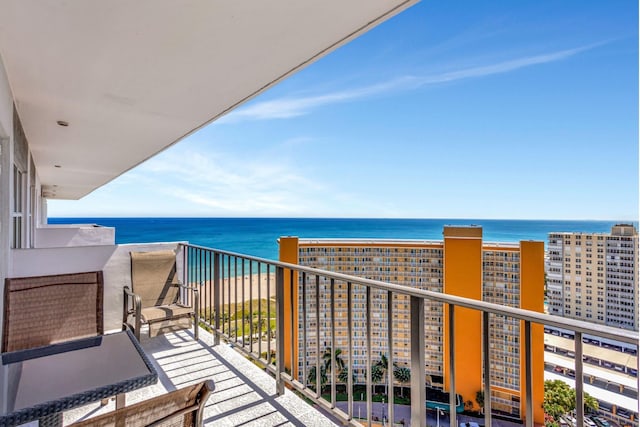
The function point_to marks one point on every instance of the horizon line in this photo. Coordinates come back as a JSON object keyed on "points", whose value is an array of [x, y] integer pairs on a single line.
{"points": [[346, 218]]}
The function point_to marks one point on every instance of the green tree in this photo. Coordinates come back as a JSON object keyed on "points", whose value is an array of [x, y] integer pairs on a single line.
{"points": [[326, 358], [560, 399], [343, 376], [383, 366], [402, 375], [312, 377], [376, 374], [480, 400], [590, 403]]}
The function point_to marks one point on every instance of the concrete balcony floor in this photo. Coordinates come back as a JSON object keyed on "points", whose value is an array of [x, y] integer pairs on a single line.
{"points": [[244, 394]]}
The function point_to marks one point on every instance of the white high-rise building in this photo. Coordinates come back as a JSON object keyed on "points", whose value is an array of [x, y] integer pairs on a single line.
{"points": [[594, 277]]}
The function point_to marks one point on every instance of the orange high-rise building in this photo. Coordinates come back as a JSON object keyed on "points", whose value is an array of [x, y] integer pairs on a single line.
{"points": [[462, 264]]}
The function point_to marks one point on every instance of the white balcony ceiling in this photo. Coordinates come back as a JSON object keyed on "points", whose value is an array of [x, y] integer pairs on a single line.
{"points": [[133, 77]]}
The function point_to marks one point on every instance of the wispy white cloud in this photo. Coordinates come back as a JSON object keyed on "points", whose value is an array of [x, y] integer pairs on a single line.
{"points": [[227, 185], [292, 107], [502, 67], [285, 108]]}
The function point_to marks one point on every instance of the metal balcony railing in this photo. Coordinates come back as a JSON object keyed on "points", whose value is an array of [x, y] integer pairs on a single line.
{"points": [[238, 305]]}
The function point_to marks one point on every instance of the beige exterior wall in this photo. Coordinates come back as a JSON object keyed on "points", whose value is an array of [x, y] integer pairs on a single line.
{"points": [[421, 264], [416, 265]]}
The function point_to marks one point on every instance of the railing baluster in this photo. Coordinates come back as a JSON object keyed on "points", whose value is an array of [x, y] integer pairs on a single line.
{"points": [[244, 335], [418, 390], [369, 363], [487, 368], [208, 291], [292, 330], [235, 295], [197, 284], [222, 281], [528, 373], [318, 372], [579, 379], [259, 309], [452, 367], [350, 352], [216, 298], [280, 330], [185, 265], [333, 343], [229, 278], [304, 329], [269, 313], [251, 306], [390, 395]]}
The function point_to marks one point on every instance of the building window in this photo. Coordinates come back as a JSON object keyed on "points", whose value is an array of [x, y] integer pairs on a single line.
{"points": [[17, 213]]}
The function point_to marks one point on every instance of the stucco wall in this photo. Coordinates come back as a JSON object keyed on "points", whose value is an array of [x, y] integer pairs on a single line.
{"points": [[112, 260], [59, 236], [6, 104], [6, 129]]}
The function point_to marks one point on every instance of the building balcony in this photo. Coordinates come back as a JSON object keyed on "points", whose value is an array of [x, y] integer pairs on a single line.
{"points": [[255, 351], [244, 394]]}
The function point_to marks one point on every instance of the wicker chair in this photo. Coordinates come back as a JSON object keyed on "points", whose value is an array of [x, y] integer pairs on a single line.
{"points": [[182, 407], [155, 295], [44, 310]]}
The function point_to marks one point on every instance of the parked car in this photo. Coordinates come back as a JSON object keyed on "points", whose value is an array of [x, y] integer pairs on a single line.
{"points": [[589, 422], [600, 422], [566, 420]]}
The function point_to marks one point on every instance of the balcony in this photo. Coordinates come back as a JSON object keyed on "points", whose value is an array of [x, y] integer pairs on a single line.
{"points": [[253, 308], [244, 394]]}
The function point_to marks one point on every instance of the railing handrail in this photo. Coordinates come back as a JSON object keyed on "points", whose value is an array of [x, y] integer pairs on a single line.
{"points": [[617, 334]]}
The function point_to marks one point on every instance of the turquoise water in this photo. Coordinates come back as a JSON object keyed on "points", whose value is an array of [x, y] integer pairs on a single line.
{"points": [[257, 236]]}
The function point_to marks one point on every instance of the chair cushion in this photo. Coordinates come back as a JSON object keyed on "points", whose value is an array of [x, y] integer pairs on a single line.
{"points": [[45, 310], [154, 278], [162, 312]]}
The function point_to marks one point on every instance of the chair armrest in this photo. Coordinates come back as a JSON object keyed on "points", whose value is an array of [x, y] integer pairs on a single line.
{"points": [[182, 285], [136, 311], [194, 291], [128, 294]]}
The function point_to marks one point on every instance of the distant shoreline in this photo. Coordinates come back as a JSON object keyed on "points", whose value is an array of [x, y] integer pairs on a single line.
{"points": [[253, 288]]}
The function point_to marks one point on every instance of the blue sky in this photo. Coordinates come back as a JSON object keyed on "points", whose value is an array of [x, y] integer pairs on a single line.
{"points": [[498, 109]]}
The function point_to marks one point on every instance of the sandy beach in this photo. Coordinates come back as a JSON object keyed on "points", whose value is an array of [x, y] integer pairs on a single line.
{"points": [[255, 286]]}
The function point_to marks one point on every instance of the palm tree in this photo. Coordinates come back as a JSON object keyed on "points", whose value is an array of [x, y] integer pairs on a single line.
{"points": [[339, 361], [376, 374], [383, 365], [311, 376], [326, 357], [403, 375], [343, 376]]}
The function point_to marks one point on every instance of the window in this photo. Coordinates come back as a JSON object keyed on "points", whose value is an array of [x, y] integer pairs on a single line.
{"points": [[17, 213]]}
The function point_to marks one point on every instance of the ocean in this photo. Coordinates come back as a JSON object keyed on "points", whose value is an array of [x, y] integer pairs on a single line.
{"points": [[258, 236]]}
